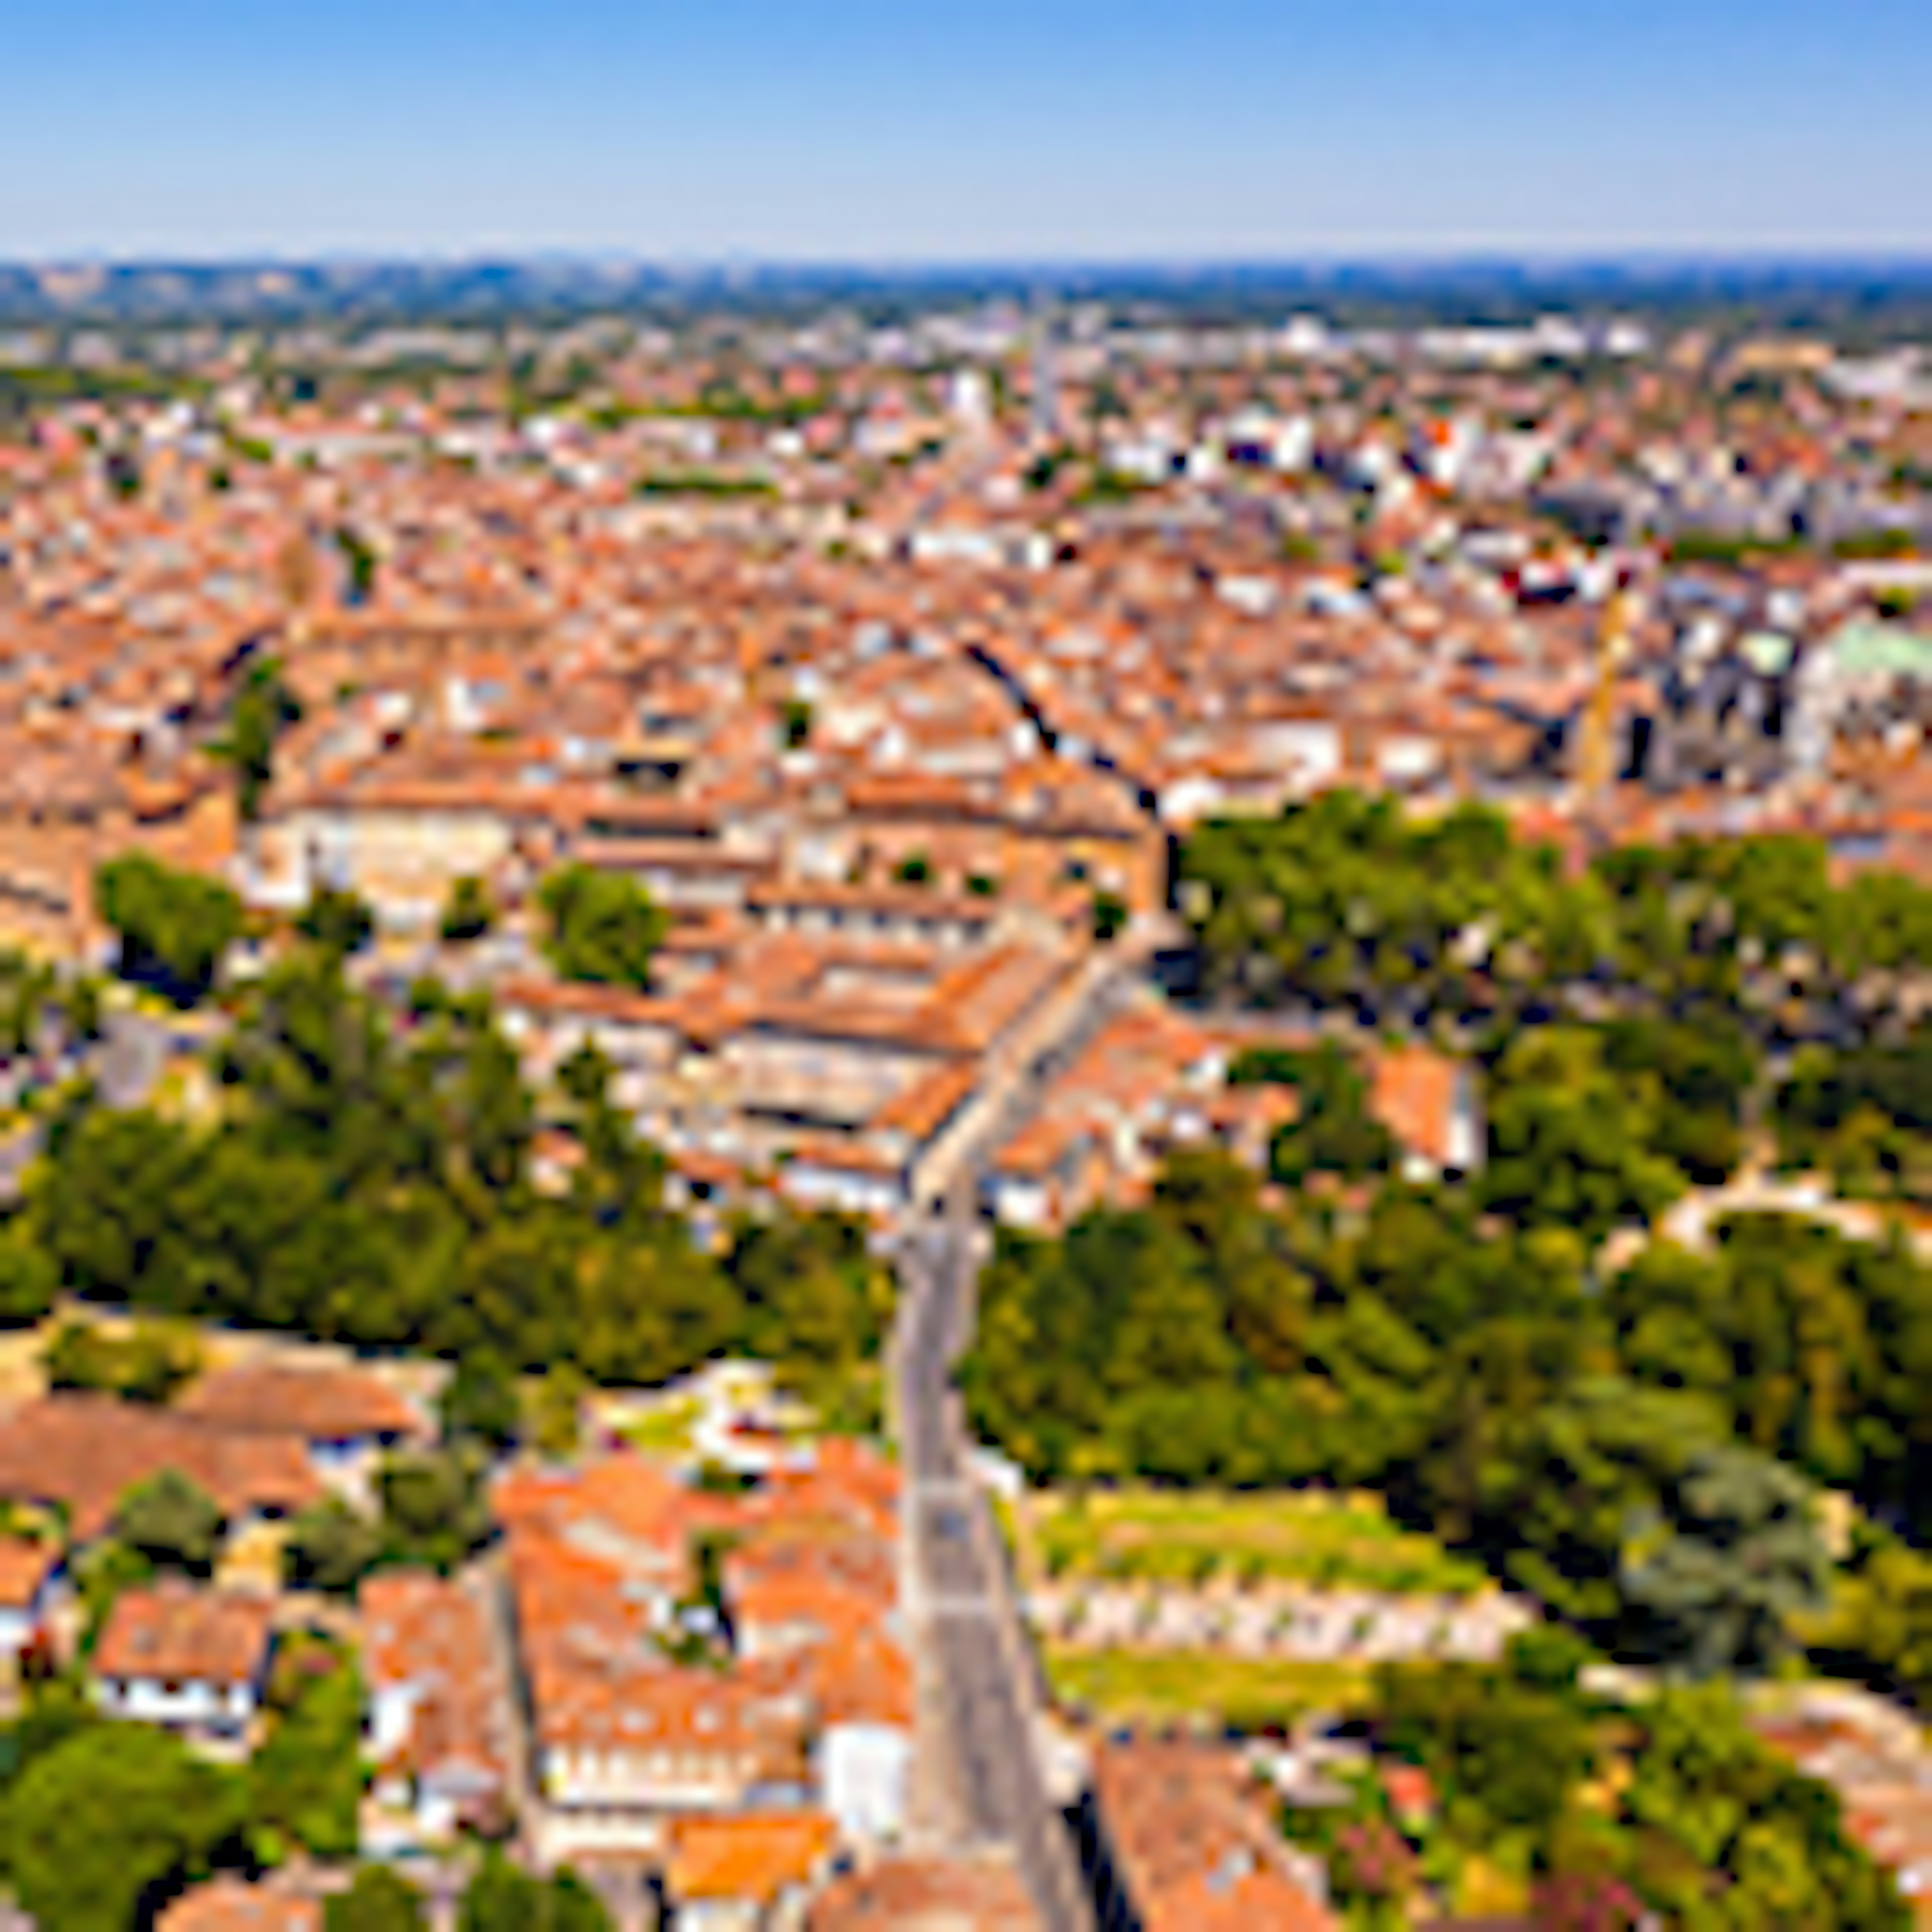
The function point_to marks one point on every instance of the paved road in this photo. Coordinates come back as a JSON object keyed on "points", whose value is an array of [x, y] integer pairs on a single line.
{"points": [[980, 1719], [984, 1727]]}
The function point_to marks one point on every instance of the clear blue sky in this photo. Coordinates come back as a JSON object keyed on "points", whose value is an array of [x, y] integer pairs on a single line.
{"points": [[859, 130]]}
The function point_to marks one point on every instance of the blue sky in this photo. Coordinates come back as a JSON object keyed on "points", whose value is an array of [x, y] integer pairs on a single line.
{"points": [[855, 130]]}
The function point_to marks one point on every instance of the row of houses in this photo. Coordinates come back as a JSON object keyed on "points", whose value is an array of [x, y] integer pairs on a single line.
{"points": [[1153, 1080]]}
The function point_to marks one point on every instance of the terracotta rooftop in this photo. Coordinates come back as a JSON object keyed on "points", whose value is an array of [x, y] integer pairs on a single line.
{"points": [[86, 1451], [180, 1634], [325, 1404], [431, 1634], [914, 1894], [1193, 1843], [752, 1858], [232, 1905]]}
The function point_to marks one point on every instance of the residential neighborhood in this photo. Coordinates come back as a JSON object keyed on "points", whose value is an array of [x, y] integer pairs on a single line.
{"points": [[998, 1113]]}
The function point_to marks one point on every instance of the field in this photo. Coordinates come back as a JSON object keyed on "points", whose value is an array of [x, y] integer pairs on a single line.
{"points": [[1306, 1536], [1184, 1687]]}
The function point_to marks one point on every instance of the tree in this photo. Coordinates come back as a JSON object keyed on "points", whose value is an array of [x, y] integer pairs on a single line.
{"points": [[305, 1781], [469, 912], [1801, 1335], [914, 869], [434, 1511], [173, 926], [1878, 1621], [1333, 1131], [1724, 1560], [1108, 917], [146, 1365], [620, 1179], [1705, 1796], [331, 1547], [1511, 1748], [26, 996], [81, 1000], [815, 1299], [359, 560], [1704, 1071], [795, 724], [603, 927], [1556, 1502], [171, 1523], [480, 1402], [108, 1824], [1570, 1143], [29, 1280], [262, 708], [338, 921], [376, 1901], [500, 1898], [556, 1411], [1866, 1115]]}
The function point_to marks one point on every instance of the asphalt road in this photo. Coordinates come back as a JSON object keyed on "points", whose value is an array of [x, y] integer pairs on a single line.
{"points": [[980, 1716], [983, 1710], [984, 1706]]}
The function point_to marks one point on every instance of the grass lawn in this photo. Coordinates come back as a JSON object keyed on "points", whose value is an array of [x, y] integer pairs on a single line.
{"points": [[1184, 1687], [1307, 1536], [663, 1430]]}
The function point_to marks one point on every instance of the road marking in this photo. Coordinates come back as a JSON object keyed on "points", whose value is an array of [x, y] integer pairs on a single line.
{"points": [[951, 1603]]}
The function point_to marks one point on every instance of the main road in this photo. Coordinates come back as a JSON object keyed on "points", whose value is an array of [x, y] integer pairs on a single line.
{"points": [[980, 1732]]}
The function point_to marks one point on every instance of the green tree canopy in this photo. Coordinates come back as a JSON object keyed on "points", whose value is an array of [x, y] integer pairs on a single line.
{"points": [[29, 1278], [1725, 1561], [170, 1522], [336, 920], [434, 1511], [109, 1823], [332, 1546], [173, 927], [376, 1901], [602, 926], [469, 912], [262, 709], [1571, 1143], [480, 1402], [500, 1898], [147, 1364], [305, 1780]]}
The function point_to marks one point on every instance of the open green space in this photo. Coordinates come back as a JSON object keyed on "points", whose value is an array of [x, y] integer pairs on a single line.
{"points": [[1307, 1536], [1126, 1687]]}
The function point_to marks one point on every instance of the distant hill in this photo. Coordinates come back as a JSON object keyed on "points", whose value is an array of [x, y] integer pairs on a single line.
{"points": [[1851, 298]]}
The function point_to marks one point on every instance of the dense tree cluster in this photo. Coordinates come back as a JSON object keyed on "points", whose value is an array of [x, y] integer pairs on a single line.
{"points": [[102, 1824], [1333, 1131], [371, 1183], [1864, 1115], [305, 1778], [105, 1821], [1595, 1816], [1695, 968], [1477, 1370], [1346, 900]]}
